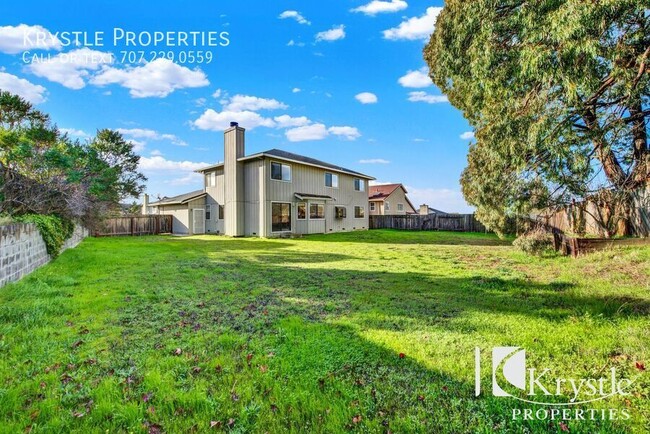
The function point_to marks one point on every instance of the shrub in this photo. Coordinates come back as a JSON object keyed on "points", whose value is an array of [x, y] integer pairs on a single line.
{"points": [[534, 242], [54, 230]]}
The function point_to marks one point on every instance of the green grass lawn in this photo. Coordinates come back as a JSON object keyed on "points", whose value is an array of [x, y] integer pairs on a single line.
{"points": [[359, 332]]}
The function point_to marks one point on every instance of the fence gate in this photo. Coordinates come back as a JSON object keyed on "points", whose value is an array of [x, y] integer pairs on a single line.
{"points": [[198, 221]]}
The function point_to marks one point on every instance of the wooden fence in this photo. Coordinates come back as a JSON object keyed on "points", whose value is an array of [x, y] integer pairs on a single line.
{"points": [[136, 225], [434, 222], [578, 246]]}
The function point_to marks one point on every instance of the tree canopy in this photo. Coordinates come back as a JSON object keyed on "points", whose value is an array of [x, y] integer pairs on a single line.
{"points": [[43, 171], [558, 93]]}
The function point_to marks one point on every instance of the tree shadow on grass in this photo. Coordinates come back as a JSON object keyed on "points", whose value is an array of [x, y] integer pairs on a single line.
{"points": [[394, 236]]}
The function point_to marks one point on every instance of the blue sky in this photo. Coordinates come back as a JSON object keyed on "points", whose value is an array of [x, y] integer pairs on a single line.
{"points": [[341, 81]]}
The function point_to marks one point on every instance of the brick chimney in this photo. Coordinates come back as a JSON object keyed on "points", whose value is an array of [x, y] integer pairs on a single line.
{"points": [[233, 142]]}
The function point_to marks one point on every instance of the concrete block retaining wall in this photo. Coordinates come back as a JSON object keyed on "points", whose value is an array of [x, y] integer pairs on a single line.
{"points": [[22, 250]]}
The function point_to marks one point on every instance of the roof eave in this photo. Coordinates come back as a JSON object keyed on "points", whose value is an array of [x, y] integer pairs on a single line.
{"points": [[275, 157]]}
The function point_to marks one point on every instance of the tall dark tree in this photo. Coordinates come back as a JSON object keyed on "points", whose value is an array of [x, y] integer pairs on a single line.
{"points": [[558, 92], [45, 172]]}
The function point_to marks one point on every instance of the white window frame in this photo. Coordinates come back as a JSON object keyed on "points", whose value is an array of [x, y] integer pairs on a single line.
{"points": [[309, 211], [290, 217], [373, 206], [355, 212], [306, 211], [386, 205], [333, 177], [400, 207], [362, 184], [282, 171], [208, 212]]}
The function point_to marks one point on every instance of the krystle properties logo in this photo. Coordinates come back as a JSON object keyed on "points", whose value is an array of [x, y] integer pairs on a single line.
{"points": [[510, 372]]}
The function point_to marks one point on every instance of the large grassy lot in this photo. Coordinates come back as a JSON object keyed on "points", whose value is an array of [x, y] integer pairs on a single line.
{"points": [[359, 332]]}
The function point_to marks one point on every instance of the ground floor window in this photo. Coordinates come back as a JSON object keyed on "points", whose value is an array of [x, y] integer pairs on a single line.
{"points": [[302, 211], [208, 212], [359, 212], [220, 212], [316, 211], [280, 217]]}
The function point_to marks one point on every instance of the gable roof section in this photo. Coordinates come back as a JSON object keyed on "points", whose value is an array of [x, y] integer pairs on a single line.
{"points": [[180, 199], [279, 154], [381, 192]]}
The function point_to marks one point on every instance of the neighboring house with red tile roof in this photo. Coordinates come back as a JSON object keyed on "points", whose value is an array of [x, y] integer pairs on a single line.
{"points": [[389, 199]]}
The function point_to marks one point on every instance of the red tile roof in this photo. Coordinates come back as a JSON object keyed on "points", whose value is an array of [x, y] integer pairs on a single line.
{"points": [[381, 192]]}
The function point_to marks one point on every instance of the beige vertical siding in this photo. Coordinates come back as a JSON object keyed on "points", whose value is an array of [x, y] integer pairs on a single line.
{"points": [[180, 217], [395, 198], [234, 181], [215, 198], [311, 180], [253, 173]]}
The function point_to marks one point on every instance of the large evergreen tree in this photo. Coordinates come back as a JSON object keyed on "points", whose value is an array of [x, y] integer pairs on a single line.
{"points": [[558, 92]]}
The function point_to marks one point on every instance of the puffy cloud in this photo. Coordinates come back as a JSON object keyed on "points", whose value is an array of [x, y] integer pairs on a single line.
{"points": [[366, 98], [143, 133], [374, 161], [74, 132], [377, 7], [421, 96], [416, 79], [286, 121], [292, 43], [33, 93], [246, 102], [296, 90], [294, 15], [16, 39], [217, 94], [307, 132], [444, 199], [333, 34], [158, 78], [416, 28], [219, 121], [348, 133], [158, 163], [71, 69], [467, 135]]}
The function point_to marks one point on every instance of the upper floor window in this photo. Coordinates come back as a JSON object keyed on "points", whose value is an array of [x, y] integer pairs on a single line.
{"points": [[211, 179], [400, 207], [331, 180], [372, 206], [359, 185], [280, 172], [387, 206]]}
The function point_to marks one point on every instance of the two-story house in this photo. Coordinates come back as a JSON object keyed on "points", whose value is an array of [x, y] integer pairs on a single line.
{"points": [[389, 199], [268, 194]]}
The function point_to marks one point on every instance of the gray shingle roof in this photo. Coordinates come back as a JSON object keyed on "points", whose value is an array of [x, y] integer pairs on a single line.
{"points": [[180, 199]]}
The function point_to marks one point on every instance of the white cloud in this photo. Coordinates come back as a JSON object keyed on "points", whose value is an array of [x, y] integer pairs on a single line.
{"points": [[334, 34], [294, 15], [189, 179], [348, 133], [374, 161], [366, 98], [286, 121], [156, 153], [138, 146], [143, 133], [421, 96], [219, 121], [443, 199], [16, 39], [217, 94], [416, 28], [157, 163], [33, 93], [371, 183], [245, 102], [296, 90], [418, 140], [416, 79], [467, 135], [307, 132], [74, 132], [158, 78], [292, 43], [71, 69], [377, 7]]}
